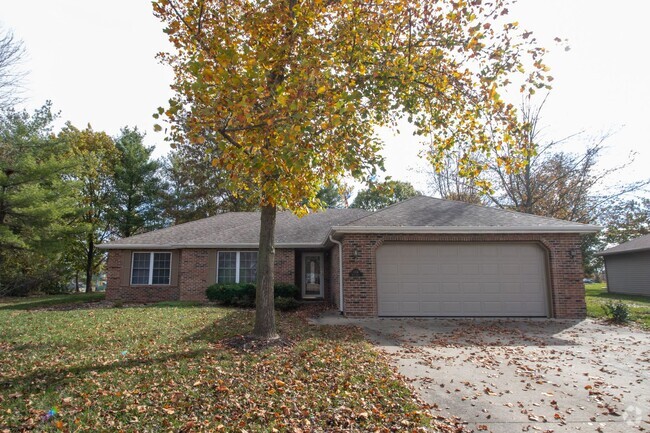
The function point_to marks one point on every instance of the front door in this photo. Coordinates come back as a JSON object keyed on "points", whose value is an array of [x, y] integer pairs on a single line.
{"points": [[312, 275]]}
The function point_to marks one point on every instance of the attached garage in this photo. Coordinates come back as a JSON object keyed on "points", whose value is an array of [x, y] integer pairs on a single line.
{"points": [[462, 279]]}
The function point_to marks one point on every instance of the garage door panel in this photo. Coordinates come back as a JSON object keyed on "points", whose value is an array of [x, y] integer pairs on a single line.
{"points": [[449, 287], [426, 251], [427, 296], [451, 309], [491, 288], [431, 308], [489, 250], [439, 279], [405, 251], [509, 269], [410, 308], [493, 308], [470, 288], [470, 268], [390, 308], [448, 269], [471, 308], [407, 269], [389, 269], [428, 269], [489, 268]]}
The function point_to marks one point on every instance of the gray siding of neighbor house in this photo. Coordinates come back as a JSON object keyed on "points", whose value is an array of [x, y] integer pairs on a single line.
{"points": [[628, 273]]}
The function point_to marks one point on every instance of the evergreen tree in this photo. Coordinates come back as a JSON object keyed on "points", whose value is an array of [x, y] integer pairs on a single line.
{"points": [[335, 195], [383, 194], [37, 201], [137, 186]]}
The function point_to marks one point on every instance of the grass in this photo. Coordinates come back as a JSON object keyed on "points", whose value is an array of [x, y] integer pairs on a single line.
{"points": [[166, 368], [597, 296], [34, 302]]}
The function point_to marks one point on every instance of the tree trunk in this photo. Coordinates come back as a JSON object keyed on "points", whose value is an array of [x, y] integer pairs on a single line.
{"points": [[265, 308], [90, 258], [76, 282]]}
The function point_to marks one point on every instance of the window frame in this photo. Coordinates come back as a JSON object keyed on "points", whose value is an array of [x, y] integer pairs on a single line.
{"points": [[237, 265], [151, 262]]}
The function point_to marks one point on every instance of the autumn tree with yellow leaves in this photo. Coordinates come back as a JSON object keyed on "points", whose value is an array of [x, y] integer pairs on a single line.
{"points": [[290, 92]]}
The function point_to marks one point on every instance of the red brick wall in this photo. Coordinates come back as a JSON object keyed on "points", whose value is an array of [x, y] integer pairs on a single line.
{"points": [[118, 286], [285, 264], [565, 272], [192, 273], [113, 267]]}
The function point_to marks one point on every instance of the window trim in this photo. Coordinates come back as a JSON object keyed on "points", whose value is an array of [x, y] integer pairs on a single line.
{"points": [[237, 264], [151, 260]]}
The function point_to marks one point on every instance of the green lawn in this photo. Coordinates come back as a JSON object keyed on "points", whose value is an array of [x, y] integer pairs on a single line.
{"points": [[597, 296], [165, 368]]}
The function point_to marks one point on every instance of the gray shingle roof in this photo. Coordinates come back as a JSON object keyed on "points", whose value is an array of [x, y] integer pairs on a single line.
{"points": [[242, 229], [418, 214], [638, 244], [429, 212]]}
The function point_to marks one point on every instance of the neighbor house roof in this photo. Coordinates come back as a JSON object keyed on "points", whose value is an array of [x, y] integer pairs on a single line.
{"points": [[424, 214], [417, 215], [638, 244]]}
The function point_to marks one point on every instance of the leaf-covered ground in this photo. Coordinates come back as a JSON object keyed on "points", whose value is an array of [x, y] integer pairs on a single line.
{"points": [[166, 368], [597, 296]]}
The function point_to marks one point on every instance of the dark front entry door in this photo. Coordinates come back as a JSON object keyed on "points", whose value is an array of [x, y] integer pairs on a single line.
{"points": [[312, 275]]}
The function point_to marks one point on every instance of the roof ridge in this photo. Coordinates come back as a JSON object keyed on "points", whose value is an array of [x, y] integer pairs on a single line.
{"points": [[175, 226], [238, 226], [369, 212], [506, 210], [375, 212]]}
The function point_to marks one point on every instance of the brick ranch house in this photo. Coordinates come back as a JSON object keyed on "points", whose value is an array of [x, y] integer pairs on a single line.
{"points": [[421, 257]]}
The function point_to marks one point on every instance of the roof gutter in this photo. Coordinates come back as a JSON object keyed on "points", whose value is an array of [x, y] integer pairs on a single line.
{"points": [[465, 230], [116, 246], [340, 272], [584, 228]]}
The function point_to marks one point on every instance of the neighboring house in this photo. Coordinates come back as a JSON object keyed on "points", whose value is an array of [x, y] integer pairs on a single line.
{"points": [[627, 267], [421, 257]]}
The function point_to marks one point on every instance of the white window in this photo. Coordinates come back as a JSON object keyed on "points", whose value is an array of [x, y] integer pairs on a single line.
{"points": [[151, 268], [236, 267]]}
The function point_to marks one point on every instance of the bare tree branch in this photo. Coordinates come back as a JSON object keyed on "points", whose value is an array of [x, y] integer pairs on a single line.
{"points": [[12, 52]]}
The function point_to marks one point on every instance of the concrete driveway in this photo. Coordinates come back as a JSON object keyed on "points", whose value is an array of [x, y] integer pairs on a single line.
{"points": [[517, 375]]}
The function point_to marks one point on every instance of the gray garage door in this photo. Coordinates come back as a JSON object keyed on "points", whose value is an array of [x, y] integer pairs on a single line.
{"points": [[486, 279]]}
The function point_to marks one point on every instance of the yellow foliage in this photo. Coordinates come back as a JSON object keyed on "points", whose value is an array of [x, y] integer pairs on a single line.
{"points": [[293, 95]]}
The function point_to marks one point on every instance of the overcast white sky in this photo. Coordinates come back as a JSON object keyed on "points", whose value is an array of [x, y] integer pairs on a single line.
{"points": [[96, 61]]}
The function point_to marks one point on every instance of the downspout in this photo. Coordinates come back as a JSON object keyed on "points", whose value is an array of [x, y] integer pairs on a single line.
{"points": [[340, 272]]}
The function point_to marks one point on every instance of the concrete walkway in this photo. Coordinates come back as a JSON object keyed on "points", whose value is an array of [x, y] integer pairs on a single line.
{"points": [[515, 375]]}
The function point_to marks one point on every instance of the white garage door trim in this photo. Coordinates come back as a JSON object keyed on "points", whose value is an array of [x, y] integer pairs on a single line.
{"points": [[462, 279]]}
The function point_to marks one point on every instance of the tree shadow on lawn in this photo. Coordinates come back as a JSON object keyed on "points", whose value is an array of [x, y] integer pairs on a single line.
{"points": [[235, 323], [291, 325], [47, 378], [227, 326]]}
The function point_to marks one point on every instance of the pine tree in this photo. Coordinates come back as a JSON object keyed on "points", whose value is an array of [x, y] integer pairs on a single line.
{"points": [[137, 186], [37, 201]]}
